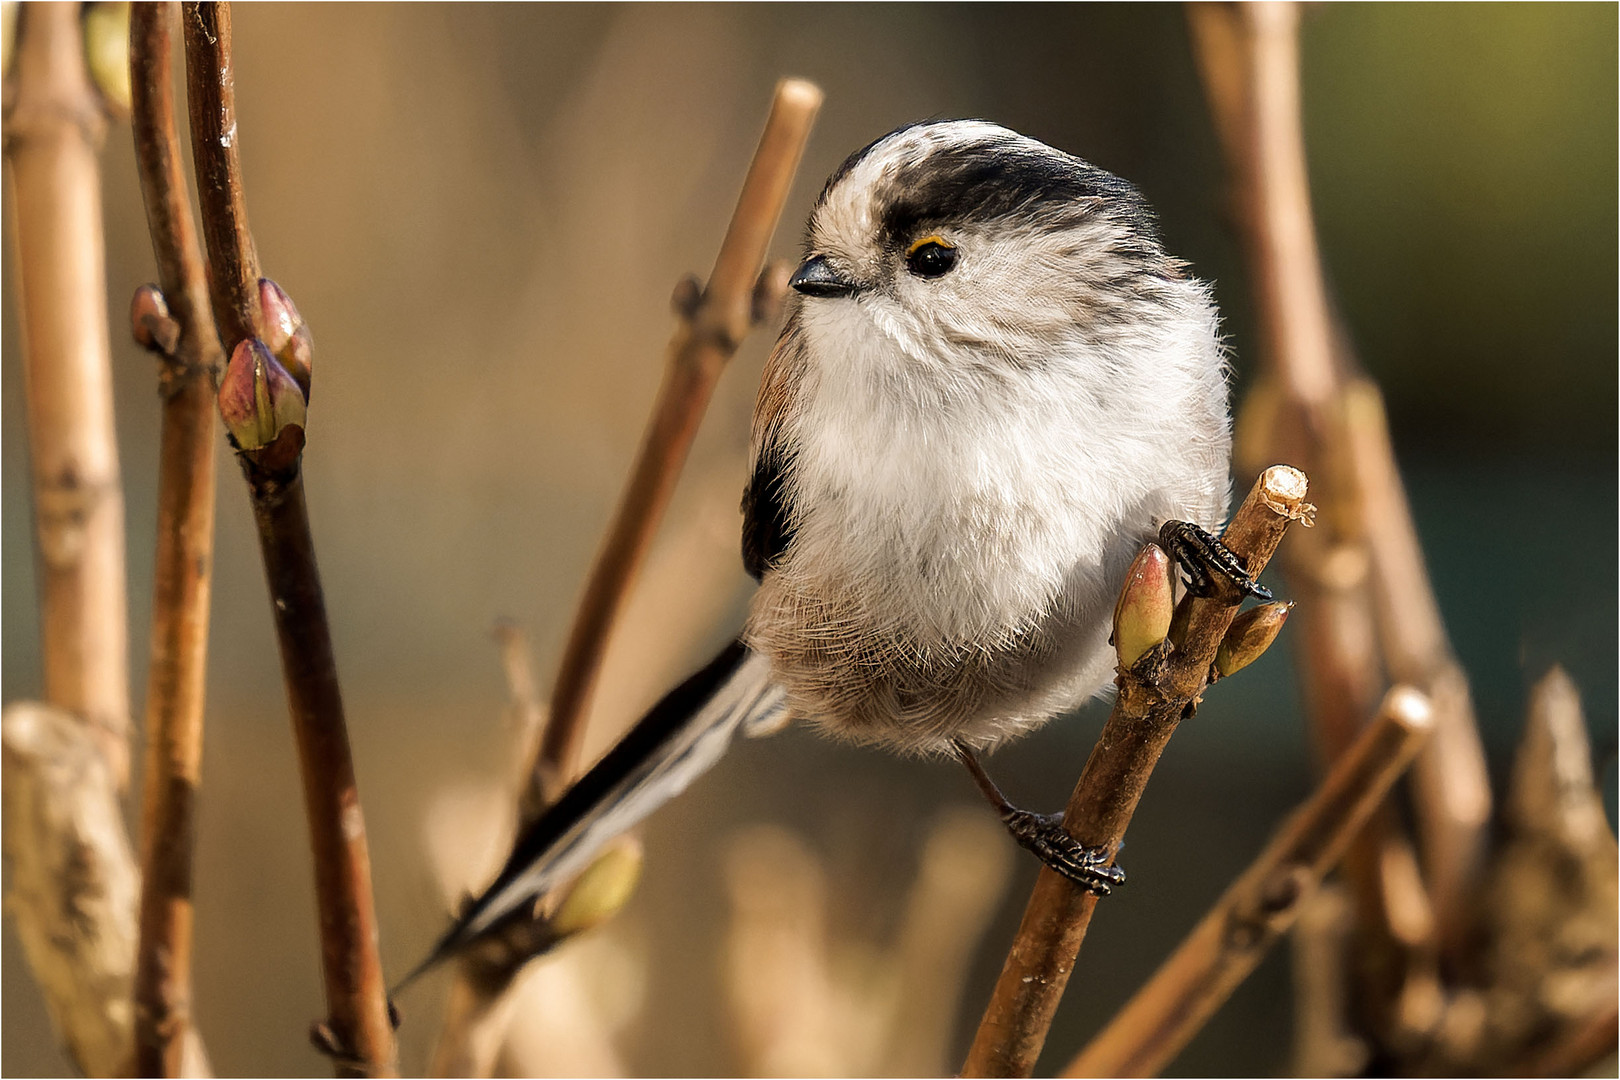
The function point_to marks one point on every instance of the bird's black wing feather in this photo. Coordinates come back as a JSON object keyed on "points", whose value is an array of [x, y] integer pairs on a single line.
{"points": [[766, 531]]}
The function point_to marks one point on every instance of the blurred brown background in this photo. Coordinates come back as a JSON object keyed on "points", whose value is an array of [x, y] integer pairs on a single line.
{"points": [[481, 212]]}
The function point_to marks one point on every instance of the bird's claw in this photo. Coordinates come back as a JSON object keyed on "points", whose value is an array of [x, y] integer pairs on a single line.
{"points": [[1087, 867], [1203, 555]]}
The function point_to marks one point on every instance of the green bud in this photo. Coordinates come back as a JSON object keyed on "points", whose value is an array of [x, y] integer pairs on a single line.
{"points": [[1249, 636], [106, 52], [601, 891], [258, 400], [1146, 605]]}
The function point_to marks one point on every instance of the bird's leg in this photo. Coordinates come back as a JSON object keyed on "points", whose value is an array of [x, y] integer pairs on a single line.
{"points": [[1202, 555], [1087, 867]]}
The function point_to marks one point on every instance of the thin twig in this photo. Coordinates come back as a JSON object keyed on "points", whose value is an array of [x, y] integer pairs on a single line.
{"points": [[712, 324], [53, 132], [1261, 905], [1153, 698], [358, 1033], [711, 327], [185, 542]]}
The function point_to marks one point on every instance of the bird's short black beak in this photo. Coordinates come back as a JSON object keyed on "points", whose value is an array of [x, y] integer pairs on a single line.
{"points": [[816, 278]]}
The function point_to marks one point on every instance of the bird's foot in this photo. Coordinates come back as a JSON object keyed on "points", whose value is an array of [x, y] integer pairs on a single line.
{"points": [[1203, 556], [1087, 867]]}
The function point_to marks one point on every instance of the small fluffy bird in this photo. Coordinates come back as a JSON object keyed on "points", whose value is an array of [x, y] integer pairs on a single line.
{"points": [[993, 387]]}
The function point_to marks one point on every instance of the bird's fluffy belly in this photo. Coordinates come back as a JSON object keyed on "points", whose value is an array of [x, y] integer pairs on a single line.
{"points": [[974, 612]]}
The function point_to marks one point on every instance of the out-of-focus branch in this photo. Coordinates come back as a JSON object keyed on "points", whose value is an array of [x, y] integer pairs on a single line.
{"points": [[73, 880], [1154, 695], [53, 131], [177, 323], [263, 397], [1360, 582], [1262, 903], [713, 322]]}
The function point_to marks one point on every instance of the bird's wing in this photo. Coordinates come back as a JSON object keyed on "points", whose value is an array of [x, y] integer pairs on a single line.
{"points": [[767, 528], [679, 739]]}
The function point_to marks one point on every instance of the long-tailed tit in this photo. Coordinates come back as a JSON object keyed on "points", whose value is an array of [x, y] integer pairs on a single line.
{"points": [[993, 387]]}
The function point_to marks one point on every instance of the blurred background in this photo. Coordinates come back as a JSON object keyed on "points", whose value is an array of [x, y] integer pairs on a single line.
{"points": [[482, 210]]}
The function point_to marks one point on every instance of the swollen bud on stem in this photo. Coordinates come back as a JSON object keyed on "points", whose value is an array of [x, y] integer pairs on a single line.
{"points": [[286, 334], [149, 319], [1146, 605], [106, 52], [258, 400], [1249, 636], [598, 893]]}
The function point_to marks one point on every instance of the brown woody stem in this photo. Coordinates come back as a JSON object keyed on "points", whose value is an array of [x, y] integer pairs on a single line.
{"points": [[53, 132], [1153, 698], [362, 1038], [175, 686], [705, 339], [1262, 903]]}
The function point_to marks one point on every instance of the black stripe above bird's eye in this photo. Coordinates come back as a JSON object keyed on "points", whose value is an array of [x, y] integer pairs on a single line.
{"points": [[1005, 178]]}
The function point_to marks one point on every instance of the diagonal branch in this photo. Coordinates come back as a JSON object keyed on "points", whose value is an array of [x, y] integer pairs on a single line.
{"points": [[1154, 696], [1362, 585], [713, 322], [189, 357], [260, 397], [1262, 904]]}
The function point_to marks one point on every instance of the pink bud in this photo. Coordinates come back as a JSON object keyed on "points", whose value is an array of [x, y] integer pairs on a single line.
{"points": [[1146, 605], [286, 334], [258, 399]]}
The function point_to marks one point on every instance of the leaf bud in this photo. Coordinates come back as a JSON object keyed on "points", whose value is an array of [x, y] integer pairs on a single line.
{"points": [[258, 400], [1249, 636], [149, 320], [286, 334], [1146, 605], [601, 891], [106, 52]]}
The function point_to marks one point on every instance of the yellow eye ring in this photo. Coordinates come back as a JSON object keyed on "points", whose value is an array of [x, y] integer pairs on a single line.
{"points": [[916, 245]]}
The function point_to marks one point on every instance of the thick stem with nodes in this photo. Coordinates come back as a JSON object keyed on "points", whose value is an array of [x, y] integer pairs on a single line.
{"points": [[1262, 903], [1155, 694], [263, 396], [53, 130]]}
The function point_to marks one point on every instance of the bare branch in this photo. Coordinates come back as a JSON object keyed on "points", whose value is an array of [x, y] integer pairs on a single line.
{"points": [[1261, 905], [358, 1034], [711, 327], [1154, 696], [52, 134], [175, 685]]}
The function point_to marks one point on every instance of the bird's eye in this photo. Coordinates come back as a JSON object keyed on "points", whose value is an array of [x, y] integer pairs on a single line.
{"points": [[930, 257]]}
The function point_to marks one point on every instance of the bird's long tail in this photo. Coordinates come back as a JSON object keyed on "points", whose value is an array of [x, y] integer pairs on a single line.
{"points": [[679, 739]]}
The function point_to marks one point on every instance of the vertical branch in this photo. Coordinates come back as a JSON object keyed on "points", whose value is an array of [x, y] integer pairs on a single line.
{"points": [[1363, 590], [176, 683], [1154, 696], [264, 404], [712, 324], [52, 134]]}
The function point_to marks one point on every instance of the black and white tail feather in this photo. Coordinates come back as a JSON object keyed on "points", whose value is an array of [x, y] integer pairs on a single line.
{"points": [[679, 739]]}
